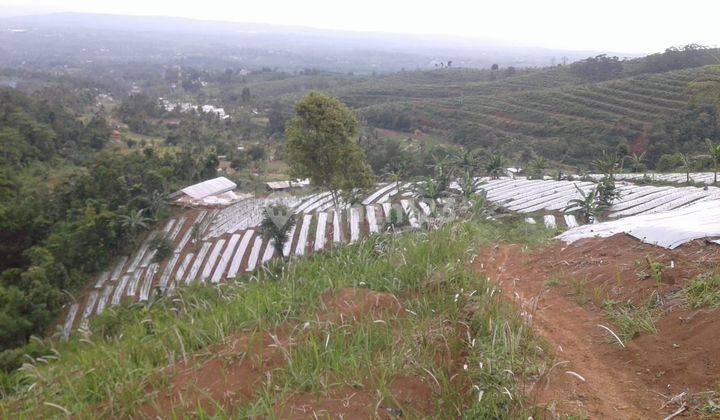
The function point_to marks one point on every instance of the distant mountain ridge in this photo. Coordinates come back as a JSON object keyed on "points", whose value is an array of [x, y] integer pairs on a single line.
{"points": [[415, 51]]}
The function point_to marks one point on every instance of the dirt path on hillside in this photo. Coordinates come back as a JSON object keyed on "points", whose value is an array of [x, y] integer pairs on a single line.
{"points": [[595, 376]]}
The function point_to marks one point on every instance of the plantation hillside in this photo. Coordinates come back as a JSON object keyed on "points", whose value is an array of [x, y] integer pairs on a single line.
{"points": [[554, 117]]}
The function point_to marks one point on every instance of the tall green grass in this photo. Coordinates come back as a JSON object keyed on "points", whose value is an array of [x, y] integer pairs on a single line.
{"points": [[110, 369], [704, 290]]}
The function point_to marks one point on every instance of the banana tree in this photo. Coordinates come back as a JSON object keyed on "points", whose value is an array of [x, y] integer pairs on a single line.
{"points": [[713, 154]]}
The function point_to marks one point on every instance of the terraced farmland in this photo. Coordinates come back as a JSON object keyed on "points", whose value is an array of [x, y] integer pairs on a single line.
{"points": [[450, 83], [230, 242], [577, 117]]}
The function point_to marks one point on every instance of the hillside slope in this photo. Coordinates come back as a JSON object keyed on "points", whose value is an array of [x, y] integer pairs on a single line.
{"points": [[563, 119]]}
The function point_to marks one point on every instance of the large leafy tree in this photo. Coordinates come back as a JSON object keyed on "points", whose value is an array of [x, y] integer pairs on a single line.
{"points": [[321, 145]]}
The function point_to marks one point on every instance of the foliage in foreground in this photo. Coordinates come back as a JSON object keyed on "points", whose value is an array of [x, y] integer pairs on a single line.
{"points": [[704, 291], [108, 370]]}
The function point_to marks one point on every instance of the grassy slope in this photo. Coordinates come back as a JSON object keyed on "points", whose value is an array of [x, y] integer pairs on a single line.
{"points": [[109, 370]]}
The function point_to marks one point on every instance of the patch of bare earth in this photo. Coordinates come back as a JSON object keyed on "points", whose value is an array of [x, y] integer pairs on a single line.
{"points": [[226, 375], [362, 402], [231, 374], [595, 376]]}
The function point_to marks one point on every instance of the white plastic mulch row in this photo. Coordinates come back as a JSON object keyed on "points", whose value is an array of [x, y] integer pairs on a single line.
{"points": [[549, 221], [336, 226], [147, 282], [119, 289], [379, 193], [165, 276], [239, 254], [107, 291], [101, 279], [372, 220], [676, 177], [668, 229], [212, 258], [132, 286], [89, 305], [182, 269], [320, 231], [527, 196], [410, 213], [354, 225], [303, 236], [141, 252], [117, 271], [269, 251], [570, 221], [195, 268], [287, 247], [254, 253], [225, 258], [67, 327]]}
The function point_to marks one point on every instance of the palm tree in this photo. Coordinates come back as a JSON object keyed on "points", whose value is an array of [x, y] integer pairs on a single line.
{"points": [[607, 163], [135, 221], [276, 225], [537, 167], [466, 160], [637, 162], [713, 153], [495, 165]]}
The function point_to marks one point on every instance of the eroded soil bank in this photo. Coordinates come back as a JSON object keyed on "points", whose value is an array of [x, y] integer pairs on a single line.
{"points": [[568, 292]]}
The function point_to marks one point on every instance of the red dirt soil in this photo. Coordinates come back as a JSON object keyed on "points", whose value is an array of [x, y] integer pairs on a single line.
{"points": [[633, 382], [366, 402], [349, 304], [231, 373]]}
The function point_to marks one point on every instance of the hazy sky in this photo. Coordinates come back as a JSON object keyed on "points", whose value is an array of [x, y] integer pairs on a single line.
{"points": [[608, 25]]}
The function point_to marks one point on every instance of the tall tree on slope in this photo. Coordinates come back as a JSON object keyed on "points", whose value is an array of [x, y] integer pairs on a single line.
{"points": [[321, 146]]}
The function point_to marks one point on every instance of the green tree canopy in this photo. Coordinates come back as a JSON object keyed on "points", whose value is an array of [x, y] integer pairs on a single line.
{"points": [[321, 145]]}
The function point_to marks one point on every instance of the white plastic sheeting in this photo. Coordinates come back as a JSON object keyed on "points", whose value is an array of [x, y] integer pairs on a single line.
{"points": [[254, 253], [212, 259], [372, 220], [67, 327], [119, 289], [240, 254], [225, 258], [104, 298], [527, 196], [549, 221], [269, 251], [198, 262], [147, 282], [134, 281], [354, 225], [303, 236], [320, 231], [668, 229], [89, 305], [677, 177], [210, 187]]}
